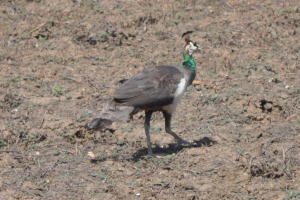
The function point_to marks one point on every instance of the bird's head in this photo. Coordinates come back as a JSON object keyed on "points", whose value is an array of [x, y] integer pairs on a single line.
{"points": [[190, 46]]}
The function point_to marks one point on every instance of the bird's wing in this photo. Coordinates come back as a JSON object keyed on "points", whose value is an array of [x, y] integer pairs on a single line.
{"points": [[150, 88]]}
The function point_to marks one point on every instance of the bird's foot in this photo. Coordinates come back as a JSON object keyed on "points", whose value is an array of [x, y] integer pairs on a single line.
{"points": [[150, 153], [181, 141]]}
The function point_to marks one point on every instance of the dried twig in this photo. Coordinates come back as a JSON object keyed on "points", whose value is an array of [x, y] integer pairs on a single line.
{"points": [[43, 119], [290, 117], [72, 79], [76, 148], [9, 151], [291, 148], [283, 155], [37, 28], [215, 133]]}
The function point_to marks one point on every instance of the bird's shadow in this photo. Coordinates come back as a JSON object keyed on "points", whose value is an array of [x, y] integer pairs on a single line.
{"points": [[173, 148]]}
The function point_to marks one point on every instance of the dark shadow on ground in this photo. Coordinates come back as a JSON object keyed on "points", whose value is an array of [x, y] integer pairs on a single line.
{"points": [[173, 148], [162, 151]]}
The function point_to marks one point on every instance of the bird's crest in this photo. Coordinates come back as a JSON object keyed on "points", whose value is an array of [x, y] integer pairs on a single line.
{"points": [[186, 36]]}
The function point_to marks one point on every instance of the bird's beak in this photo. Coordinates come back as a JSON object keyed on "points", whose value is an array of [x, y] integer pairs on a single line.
{"points": [[193, 47], [199, 48]]}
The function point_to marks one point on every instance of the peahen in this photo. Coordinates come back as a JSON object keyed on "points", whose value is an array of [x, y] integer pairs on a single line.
{"points": [[154, 89]]}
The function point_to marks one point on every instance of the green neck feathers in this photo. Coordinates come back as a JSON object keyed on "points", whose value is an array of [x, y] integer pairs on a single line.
{"points": [[189, 61]]}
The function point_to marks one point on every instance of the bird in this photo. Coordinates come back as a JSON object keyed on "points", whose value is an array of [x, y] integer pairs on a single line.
{"points": [[157, 89]]}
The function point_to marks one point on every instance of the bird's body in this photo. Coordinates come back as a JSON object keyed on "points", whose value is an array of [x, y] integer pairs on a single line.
{"points": [[158, 89], [154, 88]]}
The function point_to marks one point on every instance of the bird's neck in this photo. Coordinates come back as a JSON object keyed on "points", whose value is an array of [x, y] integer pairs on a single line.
{"points": [[189, 61]]}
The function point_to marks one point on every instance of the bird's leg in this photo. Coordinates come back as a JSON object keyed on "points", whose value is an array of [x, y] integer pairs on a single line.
{"points": [[168, 129], [148, 115], [135, 110]]}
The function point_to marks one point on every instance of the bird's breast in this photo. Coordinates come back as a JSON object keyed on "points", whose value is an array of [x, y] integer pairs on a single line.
{"points": [[180, 88], [177, 96]]}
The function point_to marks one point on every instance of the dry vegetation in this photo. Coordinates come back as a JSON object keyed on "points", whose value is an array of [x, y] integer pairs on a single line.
{"points": [[61, 60]]}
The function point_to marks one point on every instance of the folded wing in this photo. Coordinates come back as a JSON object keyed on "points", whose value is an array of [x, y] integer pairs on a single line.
{"points": [[153, 87]]}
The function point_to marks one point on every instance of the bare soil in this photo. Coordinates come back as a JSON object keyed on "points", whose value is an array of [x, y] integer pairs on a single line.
{"points": [[60, 61]]}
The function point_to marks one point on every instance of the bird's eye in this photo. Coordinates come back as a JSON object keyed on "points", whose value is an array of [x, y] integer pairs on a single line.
{"points": [[197, 45]]}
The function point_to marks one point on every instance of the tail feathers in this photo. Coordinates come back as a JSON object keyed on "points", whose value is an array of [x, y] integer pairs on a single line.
{"points": [[105, 119], [99, 123]]}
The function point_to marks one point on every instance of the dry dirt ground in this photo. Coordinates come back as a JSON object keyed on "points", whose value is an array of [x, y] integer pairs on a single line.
{"points": [[61, 61]]}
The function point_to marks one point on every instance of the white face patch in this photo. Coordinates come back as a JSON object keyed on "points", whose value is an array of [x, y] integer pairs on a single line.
{"points": [[192, 48]]}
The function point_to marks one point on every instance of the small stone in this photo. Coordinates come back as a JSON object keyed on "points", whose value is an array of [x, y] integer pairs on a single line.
{"points": [[91, 154]]}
